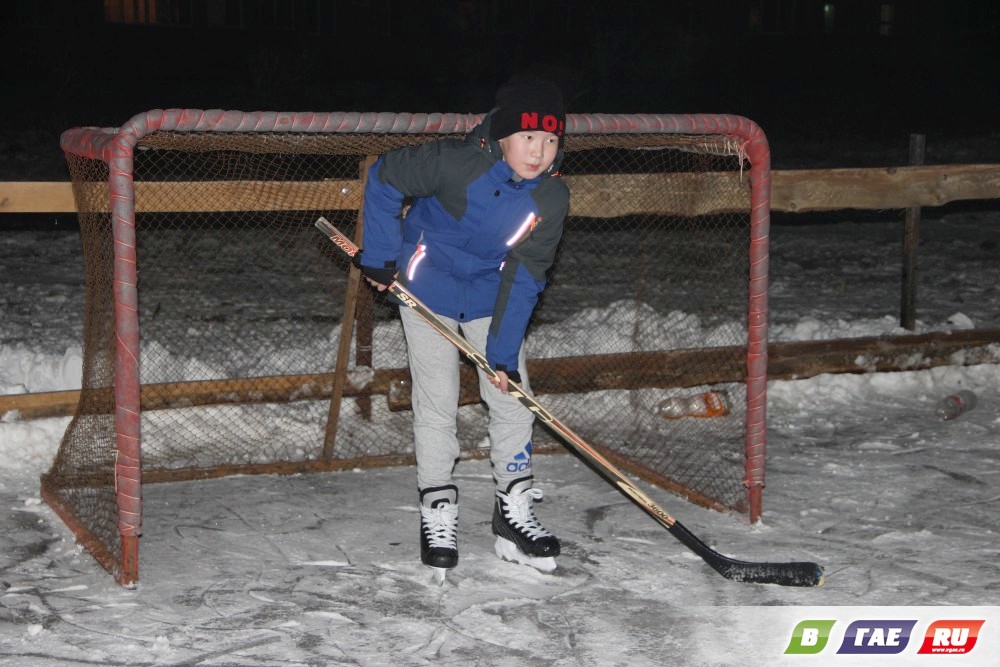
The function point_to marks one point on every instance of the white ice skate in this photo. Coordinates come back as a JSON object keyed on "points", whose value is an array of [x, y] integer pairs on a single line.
{"points": [[439, 530], [520, 536]]}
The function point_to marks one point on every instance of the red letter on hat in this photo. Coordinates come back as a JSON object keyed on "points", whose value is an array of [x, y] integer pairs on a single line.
{"points": [[529, 121]]}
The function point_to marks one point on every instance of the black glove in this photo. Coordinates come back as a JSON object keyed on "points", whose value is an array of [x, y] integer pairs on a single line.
{"points": [[384, 276], [511, 375]]}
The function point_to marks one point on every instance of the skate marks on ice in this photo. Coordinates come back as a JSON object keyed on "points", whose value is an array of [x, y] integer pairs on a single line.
{"points": [[911, 510], [328, 586], [324, 569]]}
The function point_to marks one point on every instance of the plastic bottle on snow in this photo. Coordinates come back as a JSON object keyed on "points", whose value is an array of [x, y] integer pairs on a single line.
{"points": [[707, 404], [954, 406]]}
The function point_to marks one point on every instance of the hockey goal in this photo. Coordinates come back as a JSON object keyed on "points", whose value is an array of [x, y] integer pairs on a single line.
{"points": [[223, 335]]}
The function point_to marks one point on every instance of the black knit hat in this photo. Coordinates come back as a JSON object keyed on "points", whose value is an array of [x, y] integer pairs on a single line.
{"points": [[528, 105]]}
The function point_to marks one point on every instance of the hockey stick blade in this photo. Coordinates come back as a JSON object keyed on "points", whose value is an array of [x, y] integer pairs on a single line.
{"points": [[801, 573], [782, 574]]}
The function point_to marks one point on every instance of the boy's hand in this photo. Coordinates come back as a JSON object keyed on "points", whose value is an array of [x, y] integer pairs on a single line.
{"points": [[381, 278], [503, 378], [381, 287]]}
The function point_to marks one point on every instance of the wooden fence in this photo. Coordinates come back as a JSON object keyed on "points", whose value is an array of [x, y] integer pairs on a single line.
{"points": [[792, 191], [797, 191]]}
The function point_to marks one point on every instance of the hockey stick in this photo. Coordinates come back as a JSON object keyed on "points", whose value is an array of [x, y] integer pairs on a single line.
{"points": [[783, 574]]}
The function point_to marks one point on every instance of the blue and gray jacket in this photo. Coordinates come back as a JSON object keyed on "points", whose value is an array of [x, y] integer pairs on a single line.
{"points": [[477, 240]]}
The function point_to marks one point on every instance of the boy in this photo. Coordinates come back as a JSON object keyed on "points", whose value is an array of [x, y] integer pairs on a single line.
{"points": [[486, 217]]}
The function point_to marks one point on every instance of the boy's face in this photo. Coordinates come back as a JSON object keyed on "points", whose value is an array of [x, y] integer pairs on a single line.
{"points": [[530, 153]]}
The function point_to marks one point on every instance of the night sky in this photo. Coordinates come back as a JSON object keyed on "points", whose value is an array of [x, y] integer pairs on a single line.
{"points": [[935, 73]]}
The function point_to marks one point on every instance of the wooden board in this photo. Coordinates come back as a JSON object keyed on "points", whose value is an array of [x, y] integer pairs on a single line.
{"points": [[787, 361], [594, 195]]}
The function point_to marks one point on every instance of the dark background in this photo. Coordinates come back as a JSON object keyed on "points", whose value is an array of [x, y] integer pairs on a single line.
{"points": [[840, 83]]}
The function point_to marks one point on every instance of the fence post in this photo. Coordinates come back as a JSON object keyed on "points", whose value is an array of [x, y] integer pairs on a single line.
{"points": [[354, 287], [911, 239]]}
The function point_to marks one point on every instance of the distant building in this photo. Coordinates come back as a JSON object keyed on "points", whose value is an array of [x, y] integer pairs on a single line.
{"points": [[392, 17]]}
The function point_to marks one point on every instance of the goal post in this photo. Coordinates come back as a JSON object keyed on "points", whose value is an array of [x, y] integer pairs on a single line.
{"points": [[222, 335]]}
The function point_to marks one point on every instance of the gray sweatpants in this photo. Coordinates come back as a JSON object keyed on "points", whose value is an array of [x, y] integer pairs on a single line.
{"points": [[434, 367]]}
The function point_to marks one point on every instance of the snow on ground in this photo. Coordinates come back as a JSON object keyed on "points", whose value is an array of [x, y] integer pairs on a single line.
{"points": [[901, 508]]}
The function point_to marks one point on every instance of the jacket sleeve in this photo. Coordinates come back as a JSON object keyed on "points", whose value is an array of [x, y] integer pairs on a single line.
{"points": [[402, 173], [523, 279]]}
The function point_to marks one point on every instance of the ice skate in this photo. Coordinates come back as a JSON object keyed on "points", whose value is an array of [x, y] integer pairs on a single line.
{"points": [[520, 536], [439, 530]]}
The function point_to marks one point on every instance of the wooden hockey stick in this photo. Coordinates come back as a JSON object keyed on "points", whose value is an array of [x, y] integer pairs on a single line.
{"points": [[782, 574]]}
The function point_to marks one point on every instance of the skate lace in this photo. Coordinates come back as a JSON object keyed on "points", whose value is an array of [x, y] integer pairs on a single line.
{"points": [[520, 512], [441, 525]]}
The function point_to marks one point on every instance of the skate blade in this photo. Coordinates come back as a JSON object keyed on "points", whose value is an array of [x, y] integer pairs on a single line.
{"points": [[507, 550], [440, 575]]}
